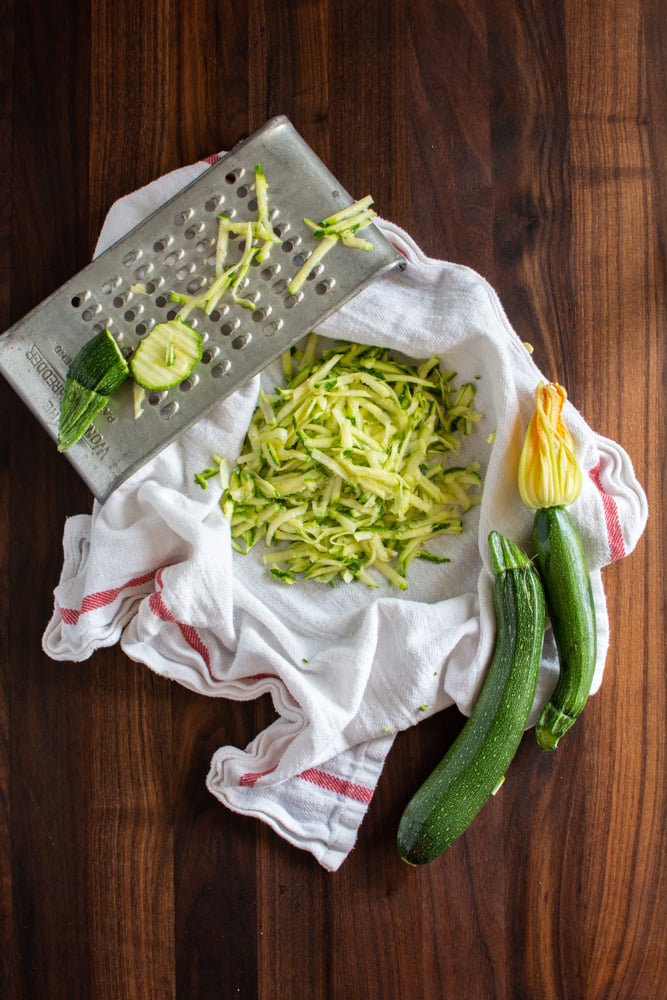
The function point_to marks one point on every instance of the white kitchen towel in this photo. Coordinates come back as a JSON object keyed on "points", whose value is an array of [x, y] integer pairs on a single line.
{"points": [[347, 667]]}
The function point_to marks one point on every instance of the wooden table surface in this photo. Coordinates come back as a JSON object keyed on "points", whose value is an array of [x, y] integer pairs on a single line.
{"points": [[526, 140]]}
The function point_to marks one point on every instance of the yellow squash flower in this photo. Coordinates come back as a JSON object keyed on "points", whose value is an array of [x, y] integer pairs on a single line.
{"points": [[549, 474]]}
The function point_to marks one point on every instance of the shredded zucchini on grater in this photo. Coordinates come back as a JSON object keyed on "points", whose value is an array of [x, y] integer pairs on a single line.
{"points": [[344, 471]]}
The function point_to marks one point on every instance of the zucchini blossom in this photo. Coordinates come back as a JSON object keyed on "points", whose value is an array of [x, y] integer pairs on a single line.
{"points": [[549, 474]]}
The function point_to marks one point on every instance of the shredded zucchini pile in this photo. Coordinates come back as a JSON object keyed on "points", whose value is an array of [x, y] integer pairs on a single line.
{"points": [[344, 470]]}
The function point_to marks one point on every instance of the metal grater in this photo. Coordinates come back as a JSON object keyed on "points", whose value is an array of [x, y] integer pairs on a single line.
{"points": [[172, 250]]}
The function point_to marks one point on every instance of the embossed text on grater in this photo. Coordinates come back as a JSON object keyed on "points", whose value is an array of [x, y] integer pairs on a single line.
{"points": [[127, 290]]}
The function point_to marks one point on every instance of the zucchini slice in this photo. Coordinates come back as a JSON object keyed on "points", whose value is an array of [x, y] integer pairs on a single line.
{"points": [[170, 352]]}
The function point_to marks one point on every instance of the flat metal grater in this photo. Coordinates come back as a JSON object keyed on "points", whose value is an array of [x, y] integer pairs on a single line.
{"points": [[127, 290]]}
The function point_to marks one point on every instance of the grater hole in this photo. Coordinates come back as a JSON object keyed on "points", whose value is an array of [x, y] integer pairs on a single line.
{"points": [[291, 300], [291, 244], [172, 314], [212, 204], [109, 286], [184, 271], [162, 244], [100, 325], [270, 272], [316, 271], [169, 410], [210, 354], [173, 258], [182, 217], [252, 205], [193, 286], [273, 327], [188, 384], [132, 314], [221, 369], [227, 329], [322, 287], [243, 339], [90, 313], [150, 287], [242, 191], [120, 301], [78, 300], [141, 330], [131, 258], [155, 398], [141, 273], [234, 175], [259, 315], [281, 229], [299, 259], [193, 231], [161, 301], [204, 245], [280, 286]]}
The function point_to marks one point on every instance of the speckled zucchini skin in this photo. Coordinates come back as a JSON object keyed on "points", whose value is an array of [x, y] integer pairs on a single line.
{"points": [[475, 765], [562, 564]]}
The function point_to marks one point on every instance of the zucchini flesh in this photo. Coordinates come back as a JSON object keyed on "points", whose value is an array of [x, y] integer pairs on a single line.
{"points": [[170, 352], [344, 473], [561, 561], [474, 766]]}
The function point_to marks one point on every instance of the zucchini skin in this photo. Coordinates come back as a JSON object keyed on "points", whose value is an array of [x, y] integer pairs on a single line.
{"points": [[561, 561], [475, 764], [99, 366]]}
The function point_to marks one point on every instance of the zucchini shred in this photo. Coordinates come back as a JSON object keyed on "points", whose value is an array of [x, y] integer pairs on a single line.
{"points": [[343, 474]]}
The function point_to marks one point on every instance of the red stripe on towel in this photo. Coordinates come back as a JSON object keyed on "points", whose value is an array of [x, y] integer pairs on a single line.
{"points": [[102, 598], [339, 786], [189, 632], [322, 779], [251, 777], [612, 520]]}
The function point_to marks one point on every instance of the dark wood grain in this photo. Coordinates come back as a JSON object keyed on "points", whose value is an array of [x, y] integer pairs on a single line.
{"points": [[525, 139]]}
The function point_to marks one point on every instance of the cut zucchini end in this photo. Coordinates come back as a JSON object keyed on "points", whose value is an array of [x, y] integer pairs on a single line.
{"points": [[100, 365], [505, 554], [551, 726]]}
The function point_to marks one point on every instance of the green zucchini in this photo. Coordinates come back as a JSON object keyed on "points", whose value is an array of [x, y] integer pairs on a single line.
{"points": [[474, 766], [100, 365], [97, 371], [170, 352], [561, 561], [78, 409]]}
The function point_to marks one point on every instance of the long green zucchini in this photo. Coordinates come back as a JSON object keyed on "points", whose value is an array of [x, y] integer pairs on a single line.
{"points": [[549, 480], [562, 564], [476, 763]]}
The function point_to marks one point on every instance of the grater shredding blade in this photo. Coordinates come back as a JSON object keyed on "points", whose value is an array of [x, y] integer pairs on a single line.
{"points": [[127, 290]]}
